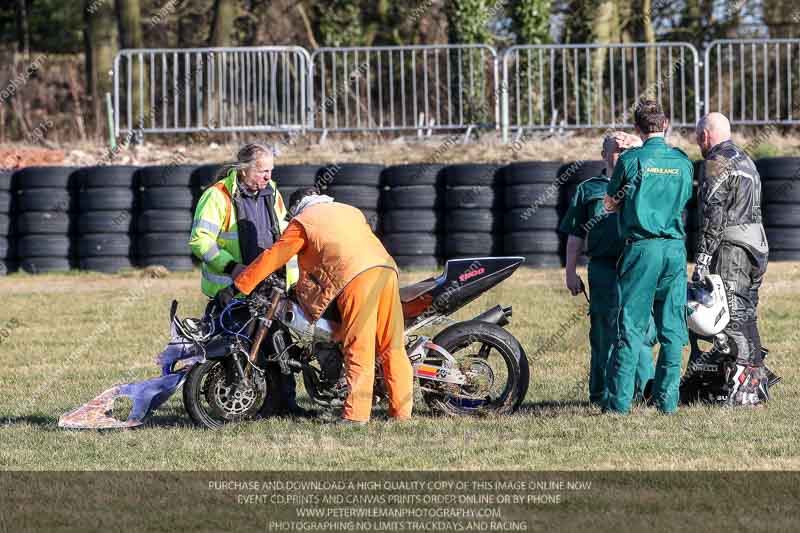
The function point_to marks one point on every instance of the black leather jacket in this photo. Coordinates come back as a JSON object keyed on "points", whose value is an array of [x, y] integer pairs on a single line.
{"points": [[730, 196]]}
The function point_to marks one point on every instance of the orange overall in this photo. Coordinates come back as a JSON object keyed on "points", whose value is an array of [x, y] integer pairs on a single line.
{"points": [[341, 259]]}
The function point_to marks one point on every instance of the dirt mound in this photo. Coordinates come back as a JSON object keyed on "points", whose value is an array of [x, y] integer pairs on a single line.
{"points": [[14, 158]]}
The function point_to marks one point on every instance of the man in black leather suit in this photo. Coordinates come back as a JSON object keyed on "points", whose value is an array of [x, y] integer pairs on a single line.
{"points": [[732, 244]]}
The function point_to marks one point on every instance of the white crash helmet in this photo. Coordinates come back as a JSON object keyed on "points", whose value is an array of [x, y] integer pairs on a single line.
{"points": [[708, 312]]}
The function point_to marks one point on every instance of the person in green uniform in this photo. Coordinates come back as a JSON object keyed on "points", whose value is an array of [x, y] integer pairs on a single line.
{"points": [[650, 187], [587, 222]]}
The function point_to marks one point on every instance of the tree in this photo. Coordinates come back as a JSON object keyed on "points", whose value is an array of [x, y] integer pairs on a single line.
{"points": [[469, 21], [130, 36], [626, 13], [578, 15], [222, 24], [339, 22], [129, 19], [781, 17], [701, 21], [531, 21], [604, 26], [649, 37], [100, 39], [23, 29]]}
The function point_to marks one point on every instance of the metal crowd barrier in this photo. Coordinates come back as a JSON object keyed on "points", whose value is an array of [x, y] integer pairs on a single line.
{"points": [[597, 85], [451, 87], [382, 88], [211, 89], [754, 81]]}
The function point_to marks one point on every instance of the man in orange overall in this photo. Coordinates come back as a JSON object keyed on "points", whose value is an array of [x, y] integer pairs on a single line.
{"points": [[341, 260]]}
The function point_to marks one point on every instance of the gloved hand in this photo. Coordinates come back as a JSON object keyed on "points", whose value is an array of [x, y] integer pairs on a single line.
{"points": [[701, 267], [226, 296], [233, 268], [236, 270]]}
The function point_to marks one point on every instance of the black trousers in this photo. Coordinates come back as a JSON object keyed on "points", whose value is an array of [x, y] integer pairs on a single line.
{"points": [[281, 394], [743, 273]]}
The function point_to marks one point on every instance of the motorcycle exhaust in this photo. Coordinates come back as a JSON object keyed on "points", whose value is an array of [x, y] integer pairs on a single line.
{"points": [[496, 315]]}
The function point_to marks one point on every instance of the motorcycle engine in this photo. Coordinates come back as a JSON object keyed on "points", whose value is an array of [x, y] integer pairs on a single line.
{"points": [[292, 315]]}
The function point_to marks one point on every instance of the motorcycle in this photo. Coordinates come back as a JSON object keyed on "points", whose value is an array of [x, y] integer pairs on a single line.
{"points": [[470, 367]]}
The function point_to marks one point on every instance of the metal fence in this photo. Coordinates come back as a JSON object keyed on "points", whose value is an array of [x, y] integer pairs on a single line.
{"points": [[596, 86], [754, 81], [451, 87], [211, 89], [405, 87]]}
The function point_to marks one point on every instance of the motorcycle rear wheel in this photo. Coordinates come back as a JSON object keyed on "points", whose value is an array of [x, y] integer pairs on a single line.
{"points": [[212, 402], [489, 355]]}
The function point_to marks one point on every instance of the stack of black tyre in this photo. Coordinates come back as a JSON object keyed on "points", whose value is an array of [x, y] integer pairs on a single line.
{"points": [[411, 216], [164, 223], [6, 254], [534, 201], [44, 218], [289, 178], [473, 201], [203, 177], [780, 183], [355, 184], [106, 218]]}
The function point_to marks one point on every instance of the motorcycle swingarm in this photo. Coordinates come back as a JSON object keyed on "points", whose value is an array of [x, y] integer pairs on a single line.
{"points": [[447, 372]]}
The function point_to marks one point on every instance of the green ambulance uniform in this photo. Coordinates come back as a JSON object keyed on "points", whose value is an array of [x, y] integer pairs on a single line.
{"points": [[586, 218], [215, 236], [654, 182]]}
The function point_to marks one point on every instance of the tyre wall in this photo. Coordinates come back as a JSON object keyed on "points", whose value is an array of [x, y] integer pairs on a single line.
{"points": [[45, 204], [7, 259], [105, 221], [110, 218], [780, 195]]}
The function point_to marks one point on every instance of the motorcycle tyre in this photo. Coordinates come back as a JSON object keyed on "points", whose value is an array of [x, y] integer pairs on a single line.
{"points": [[197, 412], [506, 345]]}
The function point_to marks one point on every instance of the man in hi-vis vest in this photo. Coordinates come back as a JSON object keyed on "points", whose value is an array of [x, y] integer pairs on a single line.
{"points": [[343, 263], [236, 219]]}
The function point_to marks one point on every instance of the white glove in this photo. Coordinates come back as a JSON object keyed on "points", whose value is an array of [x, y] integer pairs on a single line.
{"points": [[701, 267]]}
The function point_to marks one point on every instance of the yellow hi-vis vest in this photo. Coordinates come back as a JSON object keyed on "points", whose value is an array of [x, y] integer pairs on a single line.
{"points": [[215, 236]]}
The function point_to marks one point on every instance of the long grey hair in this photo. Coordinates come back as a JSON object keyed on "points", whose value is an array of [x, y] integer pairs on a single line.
{"points": [[246, 158]]}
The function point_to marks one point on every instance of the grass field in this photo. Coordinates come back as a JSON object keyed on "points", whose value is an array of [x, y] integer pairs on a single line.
{"points": [[66, 338]]}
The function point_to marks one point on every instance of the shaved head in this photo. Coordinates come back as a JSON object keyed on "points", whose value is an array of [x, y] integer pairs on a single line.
{"points": [[712, 129], [717, 125]]}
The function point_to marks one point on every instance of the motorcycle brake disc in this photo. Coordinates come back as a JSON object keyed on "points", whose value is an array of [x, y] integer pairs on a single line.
{"points": [[229, 399], [480, 378]]}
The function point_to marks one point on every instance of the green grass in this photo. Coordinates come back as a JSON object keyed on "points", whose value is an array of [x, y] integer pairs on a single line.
{"points": [[69, 337]]}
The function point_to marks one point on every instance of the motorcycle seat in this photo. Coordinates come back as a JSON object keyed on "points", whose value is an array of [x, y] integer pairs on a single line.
{"points": [[412, 292]]}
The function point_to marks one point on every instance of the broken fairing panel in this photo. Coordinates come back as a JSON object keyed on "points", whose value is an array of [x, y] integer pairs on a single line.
{"points": [[96, 414], [146, 396]]}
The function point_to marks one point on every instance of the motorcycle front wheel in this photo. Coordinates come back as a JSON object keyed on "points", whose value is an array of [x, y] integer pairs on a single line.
{"points": [[494, 364], [214, 397]]}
